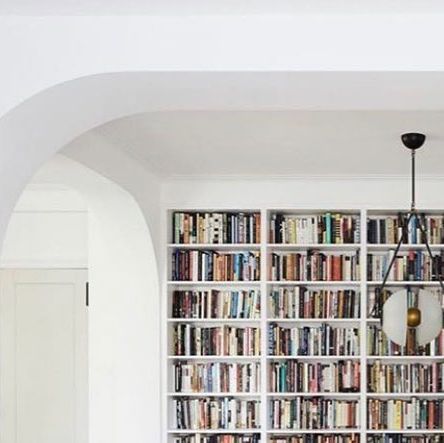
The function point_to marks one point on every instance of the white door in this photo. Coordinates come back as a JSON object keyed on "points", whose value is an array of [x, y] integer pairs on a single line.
{"points": [[43, 356]]}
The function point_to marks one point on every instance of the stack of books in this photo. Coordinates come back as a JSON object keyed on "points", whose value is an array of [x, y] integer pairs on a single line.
{"points": [[314, 266], [296, 376], [215, 266], [413, 266], [215, 303], [326, 229], [405, 378], [300, 302], [314, 413], [189, 340], [215, 377], [415, 413], [390, 229], [216, 413], [216, 227], [316, 340]]}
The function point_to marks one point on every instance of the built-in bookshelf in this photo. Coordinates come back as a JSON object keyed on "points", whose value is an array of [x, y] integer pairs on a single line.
{"points": [[272, 332]]}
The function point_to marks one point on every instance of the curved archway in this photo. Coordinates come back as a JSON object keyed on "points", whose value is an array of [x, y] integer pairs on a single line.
{"points": [[124, 368]]}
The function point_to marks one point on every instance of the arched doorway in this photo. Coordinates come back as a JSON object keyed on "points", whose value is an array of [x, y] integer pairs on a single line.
{"points": [[123, 326]]}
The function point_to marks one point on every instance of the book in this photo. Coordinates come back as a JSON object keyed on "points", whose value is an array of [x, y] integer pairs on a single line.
{"points": [[296, 376], [400, 438], [222, 438], [215, 377], [415, 413], [408, 266], [316, 438], [199, 265], [328, 228], [216, 413], [314, 265], [215, 303], [389, 229], [405, 377], [300, 302], [216, 227], [313, 340], [314, 413], [190, 340]]}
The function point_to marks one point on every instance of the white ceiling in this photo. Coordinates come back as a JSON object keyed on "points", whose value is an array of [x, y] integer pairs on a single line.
{"points": [[191, 7], [279, 142]]}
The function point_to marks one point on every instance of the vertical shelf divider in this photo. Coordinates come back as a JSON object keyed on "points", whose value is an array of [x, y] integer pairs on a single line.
{"points": [[264, 326], [363, 326]]}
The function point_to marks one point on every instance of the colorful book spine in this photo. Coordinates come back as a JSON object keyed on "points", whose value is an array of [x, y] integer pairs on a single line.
{"points": [[390, 229], [405, 377], [408, 266], [415, 414], [323, 340], [316, 438], [215, 266], [217, 377], [216, 413], [190, 340], [299, 302], [400, 438], [216, 304], [222, 438], [295, 376], [314, 266], [216, 228], [328, 228], [314, 414]]}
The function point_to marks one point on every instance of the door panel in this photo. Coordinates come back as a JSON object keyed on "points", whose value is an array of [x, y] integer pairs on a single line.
{"points": [[44, 361]]}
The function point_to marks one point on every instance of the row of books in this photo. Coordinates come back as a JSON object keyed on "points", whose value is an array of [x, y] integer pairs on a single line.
{"points": [[327, 228], [314, 413], [216, 413], [215, 303], [399, 438], [316, 438], [314, 265], [412, 266], [215, 266], [297, 376], [300, 302], [224, 438], [377, 298], [414, 413], [313, 340], [216, 227], [390, 229], [217, 377], [379, 344], [405, 378], [191, 340]]}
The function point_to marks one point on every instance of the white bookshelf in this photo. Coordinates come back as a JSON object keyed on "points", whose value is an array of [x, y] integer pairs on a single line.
{"points": [[265, 285]]}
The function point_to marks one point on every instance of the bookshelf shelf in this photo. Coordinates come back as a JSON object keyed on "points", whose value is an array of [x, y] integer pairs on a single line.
{"points": [[263, 245], [315, 246], [214, 283], [217, 246], [319, 283], [215, 394]]}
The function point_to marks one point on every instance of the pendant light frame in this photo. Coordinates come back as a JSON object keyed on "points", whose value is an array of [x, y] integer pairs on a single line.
{"points": [[412, 141]]}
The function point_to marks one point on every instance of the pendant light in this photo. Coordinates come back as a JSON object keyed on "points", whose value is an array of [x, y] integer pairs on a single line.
{"points": [[401, 314]]}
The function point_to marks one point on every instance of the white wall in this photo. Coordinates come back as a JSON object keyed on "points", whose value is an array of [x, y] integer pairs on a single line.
{"points": [[48, 229], [316, 192]]}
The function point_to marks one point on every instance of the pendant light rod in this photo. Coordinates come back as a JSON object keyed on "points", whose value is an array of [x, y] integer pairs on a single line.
{"points": [[413, 203]]}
